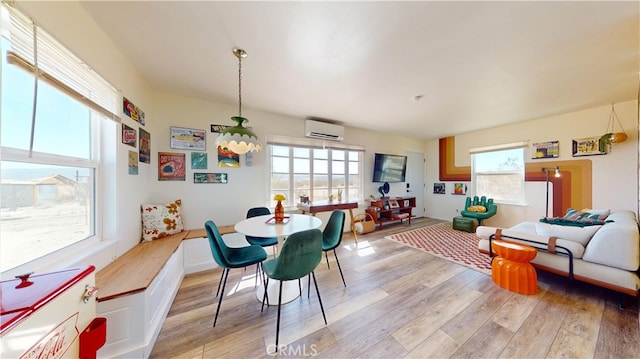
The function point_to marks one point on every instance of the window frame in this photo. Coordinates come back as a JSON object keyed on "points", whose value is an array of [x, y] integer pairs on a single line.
{"points": [[291, 191], [63, 71], [517, 198]]}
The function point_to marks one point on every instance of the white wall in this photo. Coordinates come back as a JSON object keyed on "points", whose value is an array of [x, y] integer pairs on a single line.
{"points": [[615, 178], [247, 187]]}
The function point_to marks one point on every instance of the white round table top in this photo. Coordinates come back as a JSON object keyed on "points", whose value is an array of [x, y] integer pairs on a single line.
{"points": [[258, 226]]}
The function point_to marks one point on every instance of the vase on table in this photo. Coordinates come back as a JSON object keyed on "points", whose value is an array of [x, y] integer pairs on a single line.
{"points": [[279, 212]]}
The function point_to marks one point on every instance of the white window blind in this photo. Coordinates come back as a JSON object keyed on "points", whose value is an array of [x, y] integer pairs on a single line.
{"points": [[31, 48], [506, 146]]}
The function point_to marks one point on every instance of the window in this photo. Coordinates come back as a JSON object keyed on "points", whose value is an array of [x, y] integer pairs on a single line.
{"points": [[498, 173], [298, 170], [49, 162]]}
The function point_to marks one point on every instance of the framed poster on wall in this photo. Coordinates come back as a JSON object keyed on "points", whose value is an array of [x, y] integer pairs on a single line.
{"points": [[546, 150], [171, 166], [588, 146], [188, 139]]}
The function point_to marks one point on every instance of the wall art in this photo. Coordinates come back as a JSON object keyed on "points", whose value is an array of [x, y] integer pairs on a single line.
{"points": [[439, 188], [588, 146], [218, 128], [546, 150], [199, 160], [131, 110], [188, 139], [209, 177], [129, 135], [171, 166], [459, 188], [133, 163], [228, 158], [144, 138]]}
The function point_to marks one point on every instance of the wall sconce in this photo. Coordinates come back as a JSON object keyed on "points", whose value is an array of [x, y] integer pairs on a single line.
{"points": [[556, 174]]}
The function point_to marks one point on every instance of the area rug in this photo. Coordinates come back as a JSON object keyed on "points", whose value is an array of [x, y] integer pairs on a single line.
{"points": [[443, 241]]}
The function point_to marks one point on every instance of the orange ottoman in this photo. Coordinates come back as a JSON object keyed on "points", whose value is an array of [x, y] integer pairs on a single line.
{"points": [[511, 268]]}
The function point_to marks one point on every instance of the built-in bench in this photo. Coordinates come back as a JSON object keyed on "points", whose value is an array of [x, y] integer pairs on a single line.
{"points": [[136, 291]]}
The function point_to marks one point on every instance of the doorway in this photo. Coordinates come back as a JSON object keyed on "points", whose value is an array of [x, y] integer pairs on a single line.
{"points": [[416, 165]]}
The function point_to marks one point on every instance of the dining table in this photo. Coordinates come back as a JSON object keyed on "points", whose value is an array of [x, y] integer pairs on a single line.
{"points": [[265, 226]]}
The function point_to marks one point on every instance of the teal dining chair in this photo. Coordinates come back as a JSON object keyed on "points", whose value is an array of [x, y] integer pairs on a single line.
{"points": [[261, 241], [299, 256], [230, 257], [332, 237]]}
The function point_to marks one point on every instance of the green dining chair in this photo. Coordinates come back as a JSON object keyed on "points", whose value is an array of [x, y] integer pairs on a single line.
{"points": [[332, 237], [230, 257], [261, 241], [299, 256]]}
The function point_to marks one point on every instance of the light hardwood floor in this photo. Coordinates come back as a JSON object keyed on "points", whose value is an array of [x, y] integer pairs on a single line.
{"points": [[400, 303]]}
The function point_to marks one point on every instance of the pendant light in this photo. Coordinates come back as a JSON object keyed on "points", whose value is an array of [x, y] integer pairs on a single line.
{"points": [[613, 136], [238, 138]]}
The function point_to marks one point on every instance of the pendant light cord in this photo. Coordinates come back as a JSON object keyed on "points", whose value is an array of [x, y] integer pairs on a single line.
{"points": [[613, 117], [239, 86]]}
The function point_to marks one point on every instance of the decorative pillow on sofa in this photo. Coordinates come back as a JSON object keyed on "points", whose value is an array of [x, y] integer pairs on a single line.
{"points": [[575, 215], [161, 220], [602, 213]]}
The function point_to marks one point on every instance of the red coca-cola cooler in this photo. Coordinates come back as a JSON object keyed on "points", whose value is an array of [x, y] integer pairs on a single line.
{"points": [[51, 315]]}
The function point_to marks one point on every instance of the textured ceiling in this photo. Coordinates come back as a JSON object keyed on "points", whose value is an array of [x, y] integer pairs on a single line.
{"points": [[476, 64]]}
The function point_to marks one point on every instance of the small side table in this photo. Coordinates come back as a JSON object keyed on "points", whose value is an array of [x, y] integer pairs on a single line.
{"points": [[511, 269]]}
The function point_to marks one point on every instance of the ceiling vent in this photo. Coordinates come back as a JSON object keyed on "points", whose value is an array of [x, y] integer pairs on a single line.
{"points": [[324, 130]]}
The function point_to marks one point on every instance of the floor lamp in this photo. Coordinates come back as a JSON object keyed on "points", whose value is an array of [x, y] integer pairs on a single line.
{"points": [[546, 172]]}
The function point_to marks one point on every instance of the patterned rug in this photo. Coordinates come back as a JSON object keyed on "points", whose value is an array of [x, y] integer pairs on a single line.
{"points": [[445, 242]]}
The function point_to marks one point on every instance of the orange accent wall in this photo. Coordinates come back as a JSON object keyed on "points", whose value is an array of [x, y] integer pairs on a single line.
{"points": [[572, 190]]}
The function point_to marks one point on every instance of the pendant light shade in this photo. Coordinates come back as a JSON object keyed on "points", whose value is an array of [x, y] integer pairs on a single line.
{"points": [[238, 138]]}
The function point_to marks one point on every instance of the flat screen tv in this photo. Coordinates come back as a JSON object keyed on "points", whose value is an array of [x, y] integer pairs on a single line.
{"points": [[389, 168]]}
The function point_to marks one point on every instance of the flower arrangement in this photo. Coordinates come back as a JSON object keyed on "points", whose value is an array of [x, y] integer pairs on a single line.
{"points": [[279, 197]]}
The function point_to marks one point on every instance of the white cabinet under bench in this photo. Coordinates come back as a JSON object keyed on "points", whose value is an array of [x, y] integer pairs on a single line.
{"points": [[135, 294], [137, 289]]}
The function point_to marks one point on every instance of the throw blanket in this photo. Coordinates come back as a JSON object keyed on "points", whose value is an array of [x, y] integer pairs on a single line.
{"points": [[571, 222]]}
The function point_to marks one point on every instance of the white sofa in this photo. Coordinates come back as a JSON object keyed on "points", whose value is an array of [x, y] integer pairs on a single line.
{"points": [[605, 255]]}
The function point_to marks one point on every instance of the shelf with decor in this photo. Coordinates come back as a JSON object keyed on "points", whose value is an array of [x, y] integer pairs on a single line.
{"points": [[391, 209]]}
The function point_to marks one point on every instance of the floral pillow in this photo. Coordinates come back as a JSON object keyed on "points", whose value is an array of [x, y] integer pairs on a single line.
{"points": [[161, 220]]}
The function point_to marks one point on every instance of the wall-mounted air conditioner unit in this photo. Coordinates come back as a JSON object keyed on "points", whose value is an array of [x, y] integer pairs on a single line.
{"points": [[324, 130]]}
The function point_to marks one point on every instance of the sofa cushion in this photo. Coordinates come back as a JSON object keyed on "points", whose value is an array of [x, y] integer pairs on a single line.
{"points": [[528, 227], [616, 244], [580, 235]]}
